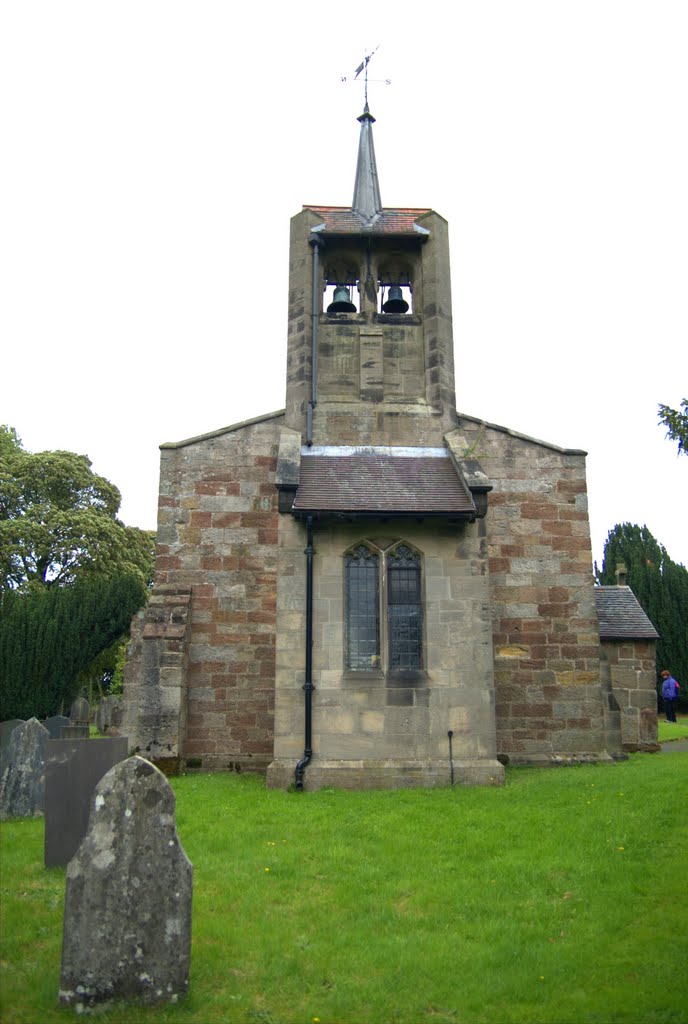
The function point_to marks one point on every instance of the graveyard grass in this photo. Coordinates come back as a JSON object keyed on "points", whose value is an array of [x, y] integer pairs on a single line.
{"points": [[558, 898]]}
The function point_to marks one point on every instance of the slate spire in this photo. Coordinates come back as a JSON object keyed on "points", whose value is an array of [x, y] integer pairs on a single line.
{"points": [[367, 203]]}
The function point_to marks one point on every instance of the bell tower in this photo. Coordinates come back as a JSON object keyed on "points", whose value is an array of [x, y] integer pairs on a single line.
{"points": [[370, 350]]}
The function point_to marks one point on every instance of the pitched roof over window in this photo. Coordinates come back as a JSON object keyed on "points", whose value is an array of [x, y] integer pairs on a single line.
{"points": [[382, 481], [620, 615]]}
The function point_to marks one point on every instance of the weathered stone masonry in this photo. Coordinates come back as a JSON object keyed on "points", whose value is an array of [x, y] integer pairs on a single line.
{"points": [[497, 640], [213, 667], [545, 631]]}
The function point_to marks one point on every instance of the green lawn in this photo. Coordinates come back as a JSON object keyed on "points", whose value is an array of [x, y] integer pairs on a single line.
{"points": [[677, 730], [555, 899]]}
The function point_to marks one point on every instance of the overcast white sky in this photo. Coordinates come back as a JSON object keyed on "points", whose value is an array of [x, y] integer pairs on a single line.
{"points": [[153, 153]]}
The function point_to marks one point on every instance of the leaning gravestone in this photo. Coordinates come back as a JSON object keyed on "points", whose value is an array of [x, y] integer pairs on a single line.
{"points": [[127, 917], [7, 728], [72, 771], [22, 771]]}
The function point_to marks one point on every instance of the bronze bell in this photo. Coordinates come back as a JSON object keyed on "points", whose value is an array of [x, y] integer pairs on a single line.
{"points": [[396, 303], [342, 301]]}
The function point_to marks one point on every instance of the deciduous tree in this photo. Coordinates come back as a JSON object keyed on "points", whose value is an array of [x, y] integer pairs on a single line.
{"points": [[58, 521], [71, 575]]}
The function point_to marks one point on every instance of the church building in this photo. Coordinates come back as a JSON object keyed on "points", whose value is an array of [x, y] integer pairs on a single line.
{"points": [[369, 588]]}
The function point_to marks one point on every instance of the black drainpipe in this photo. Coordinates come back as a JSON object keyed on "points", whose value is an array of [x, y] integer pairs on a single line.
{"points": [[308, 685]]}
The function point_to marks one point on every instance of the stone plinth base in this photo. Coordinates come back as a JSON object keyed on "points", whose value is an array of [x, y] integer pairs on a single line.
{"points": [[391, 774], [227, 763], [556, 760]]}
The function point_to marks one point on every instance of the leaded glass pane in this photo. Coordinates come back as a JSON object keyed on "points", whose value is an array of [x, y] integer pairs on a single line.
{"points": [[362, 610], [404, 610]]}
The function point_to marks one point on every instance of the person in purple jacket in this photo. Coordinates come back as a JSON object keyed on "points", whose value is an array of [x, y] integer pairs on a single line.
{"points": [[669, 695]]}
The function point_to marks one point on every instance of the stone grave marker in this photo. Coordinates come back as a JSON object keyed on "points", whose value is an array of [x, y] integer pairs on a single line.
{"points": [[7, 728], [72, 770], [22, 771], [55, 724], [127, 917], [116, 716], [107, 714], [80, 711], [78, 720]]}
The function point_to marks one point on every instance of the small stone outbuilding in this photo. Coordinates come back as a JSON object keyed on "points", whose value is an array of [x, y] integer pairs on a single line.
{"points": [[628, 666]]}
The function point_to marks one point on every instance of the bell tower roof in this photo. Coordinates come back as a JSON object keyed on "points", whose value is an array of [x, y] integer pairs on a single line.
{"points": [[366, 202]]}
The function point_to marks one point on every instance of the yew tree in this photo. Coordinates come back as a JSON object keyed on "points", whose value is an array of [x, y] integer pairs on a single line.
{"points": [[661, 587]]}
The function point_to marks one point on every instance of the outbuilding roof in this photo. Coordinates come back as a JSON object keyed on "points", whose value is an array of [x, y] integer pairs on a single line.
{"points": [[621, 616]]}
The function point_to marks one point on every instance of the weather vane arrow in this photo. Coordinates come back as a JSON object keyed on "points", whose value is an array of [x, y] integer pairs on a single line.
{"points": [[363, 66]]}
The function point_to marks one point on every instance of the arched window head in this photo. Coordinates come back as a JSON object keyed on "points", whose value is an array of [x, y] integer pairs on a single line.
{"points": [[362, 609], [404, 610]]}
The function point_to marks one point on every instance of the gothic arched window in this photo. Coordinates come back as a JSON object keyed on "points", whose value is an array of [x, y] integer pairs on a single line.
{"points": [[383, 609], [362, 609], [404, 610]]}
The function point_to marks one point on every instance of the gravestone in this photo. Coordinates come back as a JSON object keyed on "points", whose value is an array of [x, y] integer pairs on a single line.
{"points": [[127, 916], [72, 770], [116, 717], [22, 771], [78, 720], [107, 713], [80, 711], [55, 724], [7, 728]]}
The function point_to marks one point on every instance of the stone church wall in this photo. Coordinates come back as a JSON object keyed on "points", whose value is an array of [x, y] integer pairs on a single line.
{"points": [[549, 703], [208, 675], [370, 731]]}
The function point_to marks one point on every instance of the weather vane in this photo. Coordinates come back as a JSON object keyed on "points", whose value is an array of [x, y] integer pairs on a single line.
{"points": [[363, 67]]}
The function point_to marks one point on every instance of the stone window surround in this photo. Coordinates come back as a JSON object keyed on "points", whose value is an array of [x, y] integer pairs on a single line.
{"points": [[383, 547]]}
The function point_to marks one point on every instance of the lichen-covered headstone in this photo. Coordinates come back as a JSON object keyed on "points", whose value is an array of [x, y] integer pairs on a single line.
{"points": [[127, 917], [22, 771]]}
